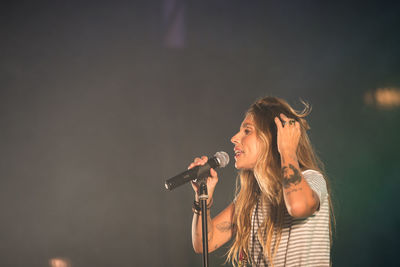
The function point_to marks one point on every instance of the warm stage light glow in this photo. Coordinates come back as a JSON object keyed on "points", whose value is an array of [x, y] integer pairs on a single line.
{"points": [[383, 98], [59, 262]]}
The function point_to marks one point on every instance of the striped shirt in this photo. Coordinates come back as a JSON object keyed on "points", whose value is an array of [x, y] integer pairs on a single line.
{"points": [[305, 241]]}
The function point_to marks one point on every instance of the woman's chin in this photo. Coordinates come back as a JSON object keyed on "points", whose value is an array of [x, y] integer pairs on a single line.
{"points": [[239, 166], [243, 167]]}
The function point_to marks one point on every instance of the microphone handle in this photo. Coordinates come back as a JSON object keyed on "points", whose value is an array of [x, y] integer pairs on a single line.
{"points": [[197, 172]]}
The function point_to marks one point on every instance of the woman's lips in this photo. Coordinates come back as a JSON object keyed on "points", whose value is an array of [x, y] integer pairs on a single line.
{"points": [[238, 153]]}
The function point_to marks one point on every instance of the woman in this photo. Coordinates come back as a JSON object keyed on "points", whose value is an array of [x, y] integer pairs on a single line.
{"points": [[281, 212]]}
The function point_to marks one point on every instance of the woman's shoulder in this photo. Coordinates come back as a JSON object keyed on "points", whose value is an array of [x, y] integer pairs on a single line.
{"points": [[312, 172], [316, 180]]}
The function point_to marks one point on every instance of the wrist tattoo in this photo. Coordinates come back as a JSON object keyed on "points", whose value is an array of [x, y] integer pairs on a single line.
{"points": [[293, 190], [291, 176]]}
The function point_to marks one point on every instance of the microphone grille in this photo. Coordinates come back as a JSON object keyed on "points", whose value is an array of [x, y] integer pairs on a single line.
{"points": [[223, 158]]}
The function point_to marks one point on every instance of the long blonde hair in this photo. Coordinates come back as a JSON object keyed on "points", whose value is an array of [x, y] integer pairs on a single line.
{"points": [[264, 181]]}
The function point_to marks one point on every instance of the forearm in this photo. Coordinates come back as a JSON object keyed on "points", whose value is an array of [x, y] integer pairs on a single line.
{"points": [[220, 229], [197, 237], [300, 199]]}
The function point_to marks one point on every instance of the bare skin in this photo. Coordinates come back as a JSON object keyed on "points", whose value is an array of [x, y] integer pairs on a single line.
{"points": [[301, 201], [220, 228]]}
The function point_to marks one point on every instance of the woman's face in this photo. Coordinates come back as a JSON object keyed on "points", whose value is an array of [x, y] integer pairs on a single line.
{"points": [[247, 145]]}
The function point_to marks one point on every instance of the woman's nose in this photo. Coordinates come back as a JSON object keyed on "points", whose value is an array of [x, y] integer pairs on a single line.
{"points": [[234, 138]]}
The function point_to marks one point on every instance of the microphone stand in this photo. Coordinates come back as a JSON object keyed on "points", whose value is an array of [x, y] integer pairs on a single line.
{"points": [[203, 196]]}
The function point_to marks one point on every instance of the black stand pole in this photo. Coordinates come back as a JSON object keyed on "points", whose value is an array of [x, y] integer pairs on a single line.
{"points": [[203, 202]]}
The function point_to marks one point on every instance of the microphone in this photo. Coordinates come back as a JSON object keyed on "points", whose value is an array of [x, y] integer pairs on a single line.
{"points": [[220, 159]]}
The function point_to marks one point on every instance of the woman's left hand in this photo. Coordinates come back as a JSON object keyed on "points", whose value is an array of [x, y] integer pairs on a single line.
{"points": [[288, 135]]}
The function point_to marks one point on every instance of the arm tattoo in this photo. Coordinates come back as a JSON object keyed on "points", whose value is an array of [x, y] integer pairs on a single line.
{"points": [[293, 190], [290, 177], [224, 226]]}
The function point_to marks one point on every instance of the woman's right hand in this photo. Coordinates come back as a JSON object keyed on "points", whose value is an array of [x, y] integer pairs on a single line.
{"points": [[211, 181], [220, 228]]}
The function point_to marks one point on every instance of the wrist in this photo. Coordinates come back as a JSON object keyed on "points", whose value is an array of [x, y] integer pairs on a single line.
{"points": [[209, 199], [197, 206], [288, 156]]}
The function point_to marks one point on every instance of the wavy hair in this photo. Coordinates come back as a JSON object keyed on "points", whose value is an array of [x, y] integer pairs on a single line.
{"points": [[264, 181]]}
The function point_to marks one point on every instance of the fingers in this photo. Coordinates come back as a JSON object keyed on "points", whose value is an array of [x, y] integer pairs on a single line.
{"points": [[195, 186], [211, 181], [213, 173], [283, 117], [287, 121], [278, 123], [297, 125], [198, 161], [282, 121]]}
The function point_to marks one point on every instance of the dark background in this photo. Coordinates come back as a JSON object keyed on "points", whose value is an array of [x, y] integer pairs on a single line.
{"points": [[97, 109]]}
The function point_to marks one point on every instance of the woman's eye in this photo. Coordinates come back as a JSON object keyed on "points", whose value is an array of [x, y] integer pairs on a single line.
{"points": [[246, 131]]}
